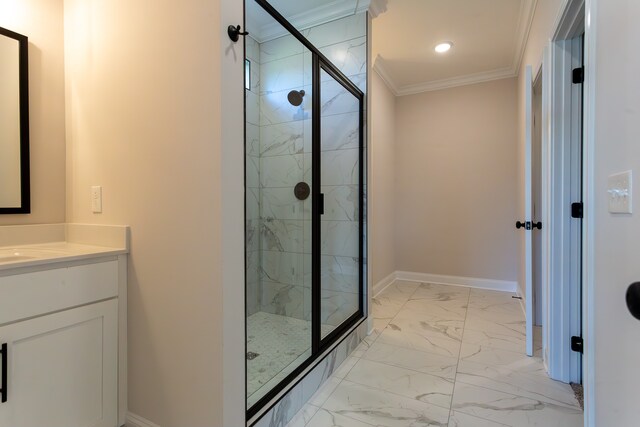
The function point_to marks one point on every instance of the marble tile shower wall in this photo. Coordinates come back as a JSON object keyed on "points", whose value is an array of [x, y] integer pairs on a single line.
{"points": [[254, 255], [284, 158]]}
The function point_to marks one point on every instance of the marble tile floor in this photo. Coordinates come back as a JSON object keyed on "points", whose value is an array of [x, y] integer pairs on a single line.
{"points": [[442, 356], [281, 343]]}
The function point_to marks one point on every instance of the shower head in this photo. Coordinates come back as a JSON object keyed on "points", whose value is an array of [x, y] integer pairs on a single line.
{"points": [[295, 97]]}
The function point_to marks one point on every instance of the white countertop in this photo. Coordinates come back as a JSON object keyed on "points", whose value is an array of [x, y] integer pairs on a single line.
{"points": [[26, 246], [48, 253]]}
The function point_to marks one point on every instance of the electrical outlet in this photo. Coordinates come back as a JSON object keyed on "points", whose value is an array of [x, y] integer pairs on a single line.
{"points": [[620, 192], [96, 199]]}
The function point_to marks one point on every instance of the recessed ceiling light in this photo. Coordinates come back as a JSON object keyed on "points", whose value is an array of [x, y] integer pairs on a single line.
{"points": [[443, 47]]}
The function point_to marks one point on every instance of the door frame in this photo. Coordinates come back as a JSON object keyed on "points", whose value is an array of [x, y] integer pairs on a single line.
{"points": [[537, 181], [557, 121], [319, 343], [588, 198], [528, 230], [561, 139]]}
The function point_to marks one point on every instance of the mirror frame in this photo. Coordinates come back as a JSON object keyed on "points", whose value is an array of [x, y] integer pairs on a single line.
{"points": [[25, 177]]}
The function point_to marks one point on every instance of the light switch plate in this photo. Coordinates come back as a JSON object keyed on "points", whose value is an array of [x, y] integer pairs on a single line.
{"points": [[96, 199], [620, 192]]}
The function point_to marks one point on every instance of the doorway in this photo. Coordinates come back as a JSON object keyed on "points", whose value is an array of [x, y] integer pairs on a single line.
{"points": [[563, 151], [536, 213]]}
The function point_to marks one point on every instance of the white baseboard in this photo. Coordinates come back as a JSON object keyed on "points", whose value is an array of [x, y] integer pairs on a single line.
{"points": [[383, 284], [134, 420], [470, 282]]}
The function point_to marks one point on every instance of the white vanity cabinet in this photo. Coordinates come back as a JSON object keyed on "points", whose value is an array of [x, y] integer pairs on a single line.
{"points": [[62, 369], [61, 328]]}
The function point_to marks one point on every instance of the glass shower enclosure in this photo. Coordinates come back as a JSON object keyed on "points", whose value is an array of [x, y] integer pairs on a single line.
{"points": [[304, 186]]}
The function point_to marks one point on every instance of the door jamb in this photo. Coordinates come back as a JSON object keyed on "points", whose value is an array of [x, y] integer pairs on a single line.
{"points": [[562, 234], [588, 222], [562, 30]]}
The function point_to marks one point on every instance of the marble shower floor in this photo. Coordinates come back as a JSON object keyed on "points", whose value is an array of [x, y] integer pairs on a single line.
{"points": [[282, 344], [442, 356]]}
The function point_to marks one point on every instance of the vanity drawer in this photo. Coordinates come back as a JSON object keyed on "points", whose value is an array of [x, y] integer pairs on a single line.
{"points": [[37, 293]]}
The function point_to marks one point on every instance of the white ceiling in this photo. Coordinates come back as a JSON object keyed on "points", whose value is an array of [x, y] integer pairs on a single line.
{"points": [[488, 36]]}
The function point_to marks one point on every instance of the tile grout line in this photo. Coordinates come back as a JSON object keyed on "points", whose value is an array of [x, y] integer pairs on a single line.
{"points": [[406, 368], [393, 393], [557, 403], [343, 379], [397, 312], [455, 378], [305, 50], [340, 380]]}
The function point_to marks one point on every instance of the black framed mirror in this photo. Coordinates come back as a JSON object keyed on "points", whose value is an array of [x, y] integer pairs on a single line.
{"points": [[15, 197]]}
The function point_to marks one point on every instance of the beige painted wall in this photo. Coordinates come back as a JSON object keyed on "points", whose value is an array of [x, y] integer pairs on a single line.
{"points": [[143, 120], [615, 244], [456, 181], [42, 21], [542, 28], [383, 145]]}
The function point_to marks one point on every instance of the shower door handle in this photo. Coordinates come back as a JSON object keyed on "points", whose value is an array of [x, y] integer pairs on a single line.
{"points": [[4, 353], [321, 204]]}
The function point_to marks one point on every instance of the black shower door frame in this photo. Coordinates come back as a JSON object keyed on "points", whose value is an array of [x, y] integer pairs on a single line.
{"points": [[318, 344]]}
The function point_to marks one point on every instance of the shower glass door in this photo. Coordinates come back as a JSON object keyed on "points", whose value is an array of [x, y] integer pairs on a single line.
{"points": [[340, 184], [304, 197], [278, 206]]}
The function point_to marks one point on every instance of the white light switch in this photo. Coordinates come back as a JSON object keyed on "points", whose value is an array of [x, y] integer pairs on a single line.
{"points": [[96, 199], [620, 192]]}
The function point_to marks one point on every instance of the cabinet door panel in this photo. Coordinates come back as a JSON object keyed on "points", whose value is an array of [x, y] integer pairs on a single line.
{"points": [[62, 369]]}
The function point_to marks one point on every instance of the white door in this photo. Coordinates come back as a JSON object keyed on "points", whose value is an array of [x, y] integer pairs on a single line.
{"points": [[528, 211], [62, 369]]}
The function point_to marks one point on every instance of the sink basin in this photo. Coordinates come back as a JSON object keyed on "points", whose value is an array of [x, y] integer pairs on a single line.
{"points": [[18, 254]]}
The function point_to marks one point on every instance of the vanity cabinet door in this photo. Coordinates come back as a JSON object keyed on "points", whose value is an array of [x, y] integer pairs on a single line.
{"points": [[62, 369]]}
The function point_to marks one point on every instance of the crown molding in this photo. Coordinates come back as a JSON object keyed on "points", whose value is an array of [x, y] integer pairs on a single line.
{"points": [[525, 20], [527, 12], [380, 69], [328, 12], [487, 76]]}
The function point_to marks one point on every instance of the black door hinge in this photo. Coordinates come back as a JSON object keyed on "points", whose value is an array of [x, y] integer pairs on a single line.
{"points": [[578, 76], [577, 344], [577, 210]]}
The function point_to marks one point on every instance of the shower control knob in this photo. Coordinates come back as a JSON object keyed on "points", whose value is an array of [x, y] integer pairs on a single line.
{"points": [[302, 191]]}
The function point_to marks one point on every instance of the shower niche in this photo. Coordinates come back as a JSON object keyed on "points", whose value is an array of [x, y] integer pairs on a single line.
{"points": [[305, 181]]}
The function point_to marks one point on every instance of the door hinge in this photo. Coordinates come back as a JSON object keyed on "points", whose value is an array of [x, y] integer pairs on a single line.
{"points": [[577, 210], [578, 76], [577, 344]]}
